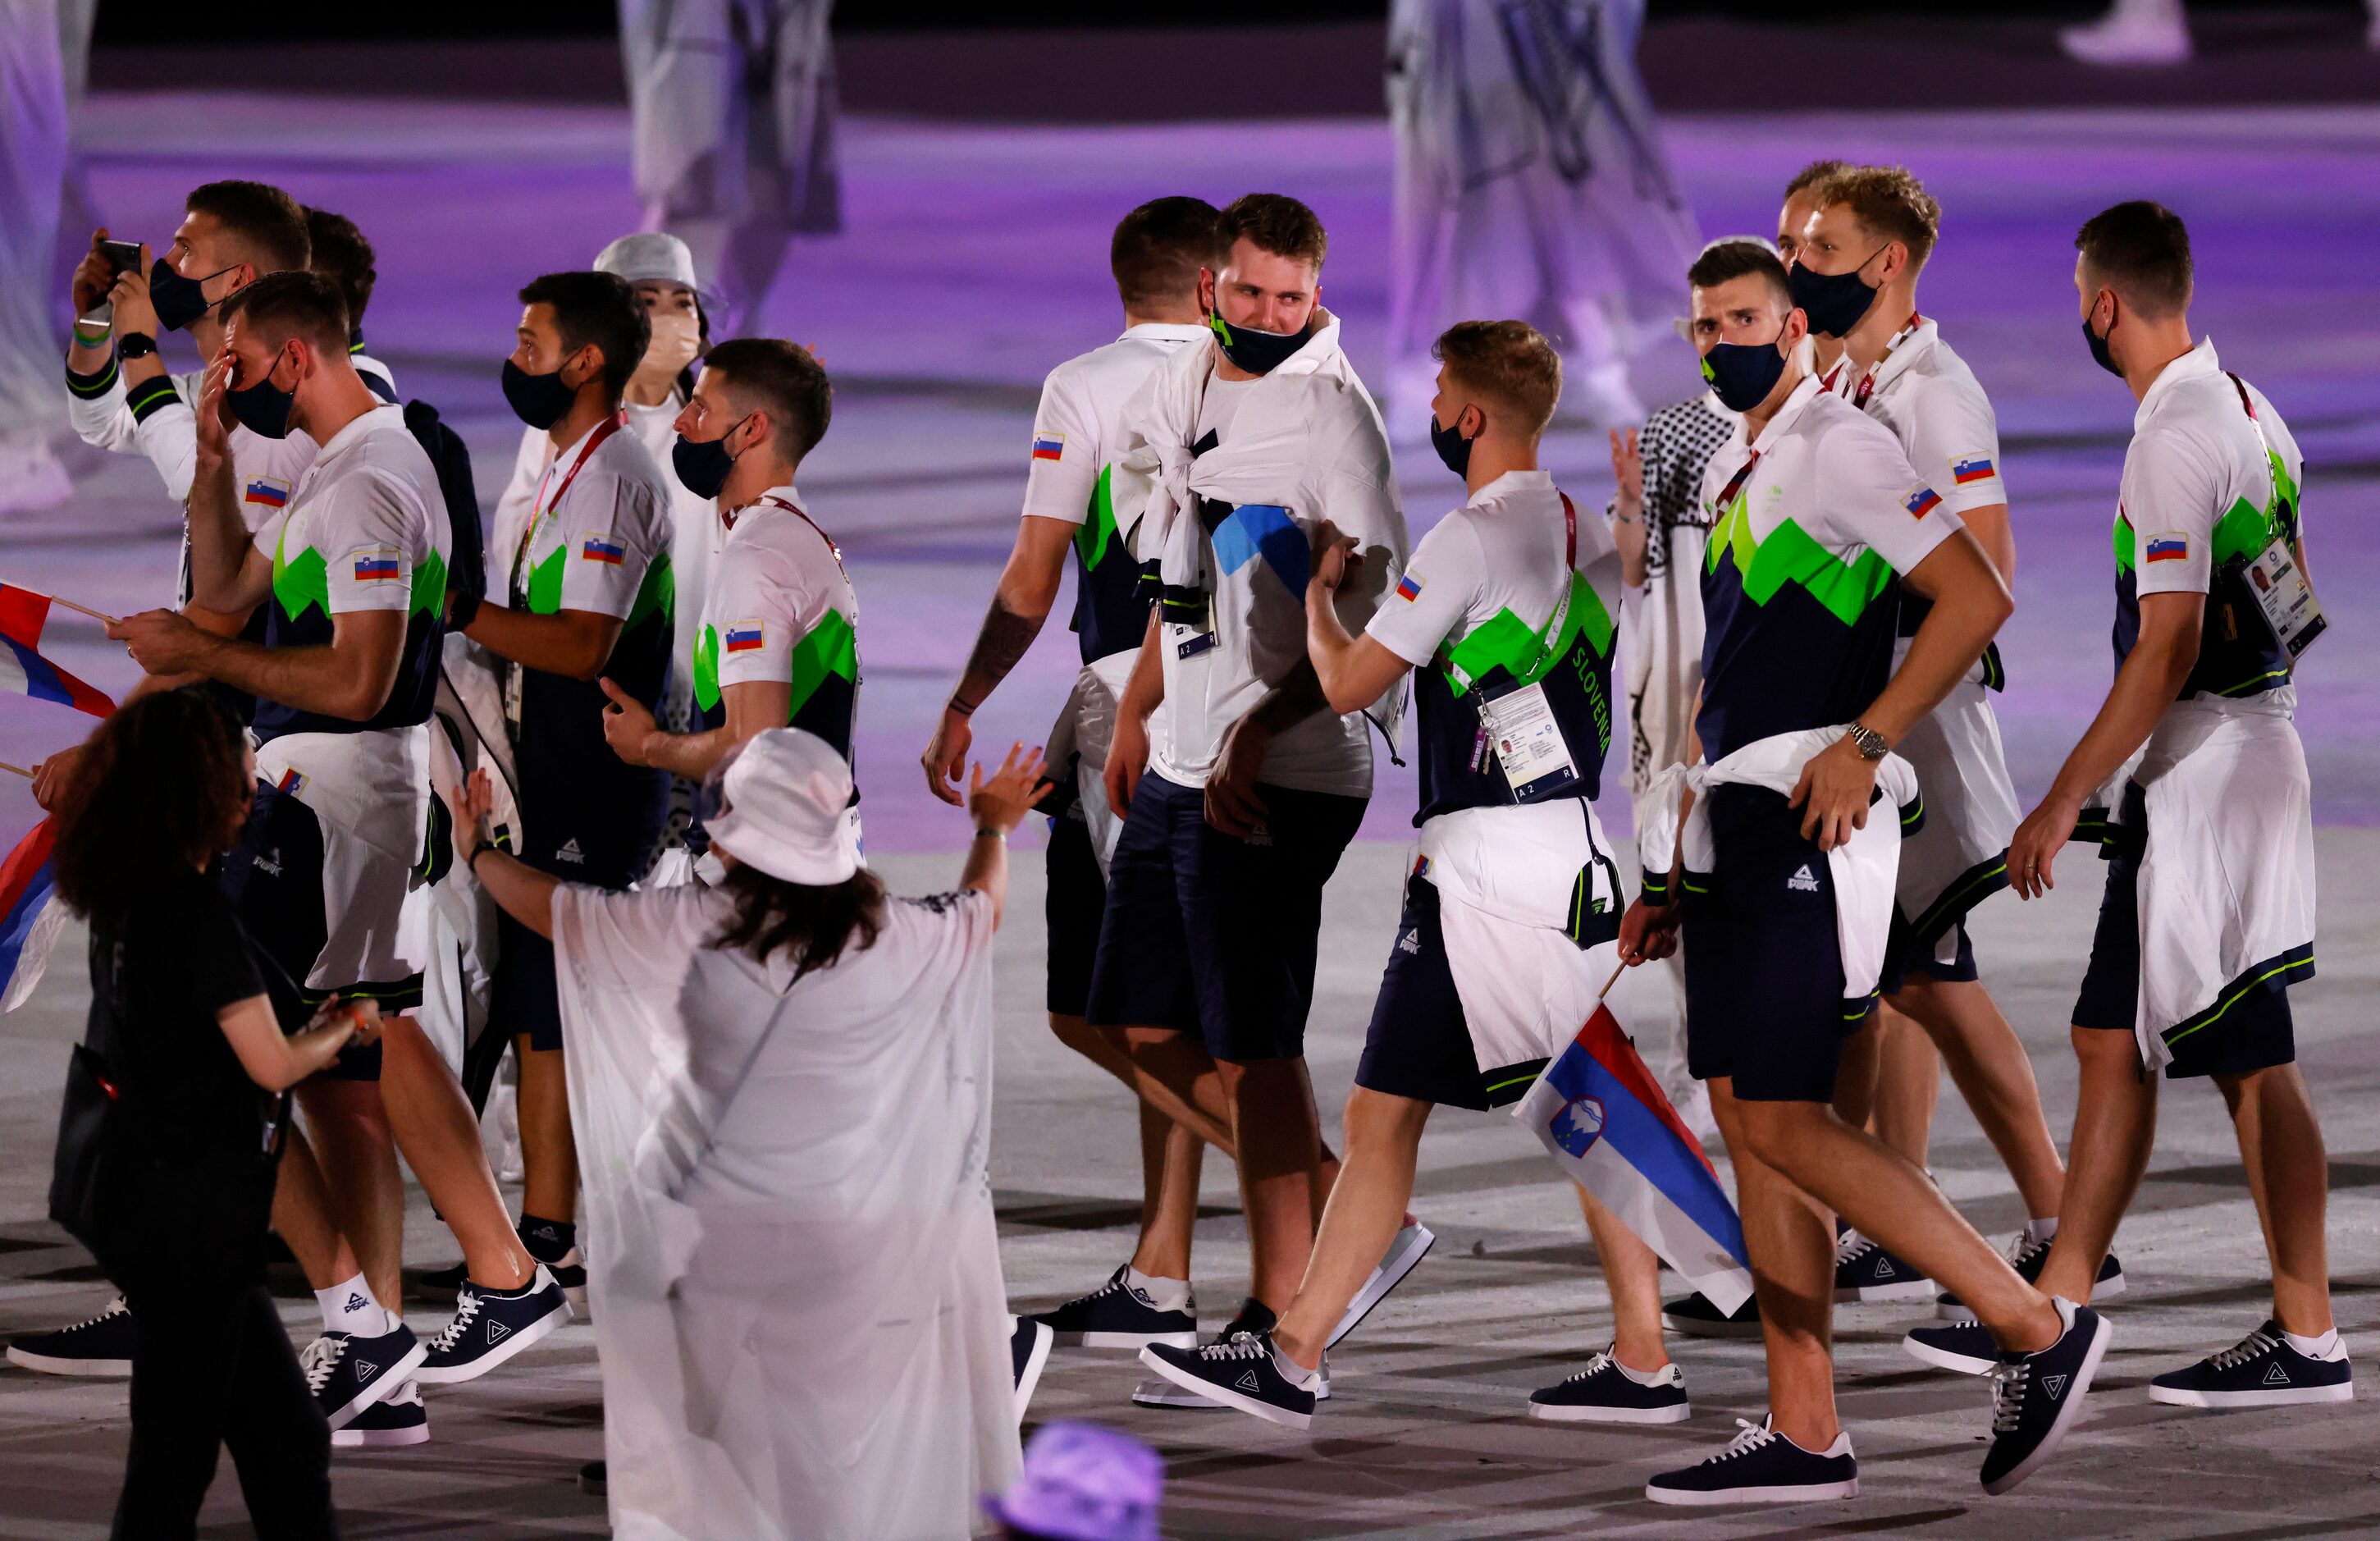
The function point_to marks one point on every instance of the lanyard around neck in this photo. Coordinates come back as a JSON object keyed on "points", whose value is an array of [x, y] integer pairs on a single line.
{"points": [[1867, 382], [541, 505]]}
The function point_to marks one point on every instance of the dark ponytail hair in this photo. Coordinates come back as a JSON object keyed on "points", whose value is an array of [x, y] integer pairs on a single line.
{"points": [[814, 924], [164, 787]]}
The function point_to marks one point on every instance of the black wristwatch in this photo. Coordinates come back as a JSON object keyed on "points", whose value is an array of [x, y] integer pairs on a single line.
{"points": [[135, 344], [1869, 742]]}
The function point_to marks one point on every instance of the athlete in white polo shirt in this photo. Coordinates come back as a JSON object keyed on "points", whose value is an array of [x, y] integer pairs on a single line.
{"points": [[2204, 811], [1863, 249]]}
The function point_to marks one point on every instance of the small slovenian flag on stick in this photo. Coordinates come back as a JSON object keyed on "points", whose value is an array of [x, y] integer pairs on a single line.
{"points": [[1049, 447], [744, 637], [603, 549], [2168, 548], [1603, 1117], [1970, 468], [30, 916], [23, 669], [1922, 502]]}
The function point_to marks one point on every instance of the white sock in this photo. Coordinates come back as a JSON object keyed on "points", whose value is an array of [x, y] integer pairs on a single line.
{"points": [[1294, 1373], [2045, 1229], [1165, 1294], [352, 1308], [2324, 1347], [1641, 1377]]}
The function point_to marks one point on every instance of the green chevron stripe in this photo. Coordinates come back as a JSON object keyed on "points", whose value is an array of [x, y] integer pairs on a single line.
{"points": [[300, 582], [1790, 555], [831, 649], [1097, 530], [1505, 641]]}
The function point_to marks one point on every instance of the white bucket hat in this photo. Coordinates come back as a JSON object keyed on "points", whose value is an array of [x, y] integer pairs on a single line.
{"points": [[649, 254], [783, 803]]}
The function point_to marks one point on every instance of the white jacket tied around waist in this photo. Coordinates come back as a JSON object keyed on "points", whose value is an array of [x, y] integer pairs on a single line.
{"points": [[1865, 867], [2227, 871]]}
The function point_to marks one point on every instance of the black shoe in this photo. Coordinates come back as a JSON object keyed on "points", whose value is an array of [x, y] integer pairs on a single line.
{"points": [[1865, 1271], [1116, 1315], [101, 1346], [348, 1374], [1698, 1317], [488, 1328], [1605, 1393], [1028, 1350], [595, 1479], [2028, 1255], [1254, 1318], [1239, 1372], [2036, 1397], [1967, 1347], [1760, 1465], [396, 1420], [571, 1274], [2262, 1371]]}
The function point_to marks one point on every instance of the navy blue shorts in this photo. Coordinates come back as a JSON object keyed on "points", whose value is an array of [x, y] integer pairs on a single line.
{"points": [[1904, 957], [1075, 897], [2252, 1031], [1419, 1044], [1211, 934], [1765, 1002]]}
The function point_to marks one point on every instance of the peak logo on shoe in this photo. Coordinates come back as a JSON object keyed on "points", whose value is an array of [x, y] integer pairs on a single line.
{"points": [[1804, 881], [2276, 1376], [498, 1332], [1248, 1381], [1883, 1267], [2054, 1385], [571, 853], [366, 1370], [1409, 942]]}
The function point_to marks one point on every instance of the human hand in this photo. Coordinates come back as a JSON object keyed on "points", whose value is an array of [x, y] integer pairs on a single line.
{"points": [[1335, 559], [1833, 792], [163, 641], [946, 752], [213, 414], [93, 276], [1647, 932], [1001, 801], [1232, 805], [1628, 470], [54, 775], [135, 311], [469, 801], [1127, 757], [628, 725], [2038, 840]]}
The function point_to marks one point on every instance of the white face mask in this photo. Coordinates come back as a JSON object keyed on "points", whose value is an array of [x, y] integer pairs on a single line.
{"points": [[675, 341]]}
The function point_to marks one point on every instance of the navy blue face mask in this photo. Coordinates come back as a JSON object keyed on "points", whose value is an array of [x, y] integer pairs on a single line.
{"points": [[263, 408], [1742, 374], [2100, 354], [539, 400], [1835, 303], [1257, 352], [177, 300], [1451, 446], [702, 465]]}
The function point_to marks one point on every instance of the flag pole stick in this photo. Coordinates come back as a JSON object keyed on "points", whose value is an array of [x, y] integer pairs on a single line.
{"points": [[1616, 973], [21, 771], [84, 610]]}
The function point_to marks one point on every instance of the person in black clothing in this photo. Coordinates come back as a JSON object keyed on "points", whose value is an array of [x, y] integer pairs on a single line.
{"points": [[189, 1044]]}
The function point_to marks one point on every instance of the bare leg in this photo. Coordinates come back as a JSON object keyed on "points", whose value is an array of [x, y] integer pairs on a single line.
{"points": [[356, 1155], [2115, 1122], [1792, 1242], [1171, 1158], [433, 1120], [1273, 1121], [2280, 1143], [1908, 1080], [1855, 1081], [549, 1154], [301, 1213], [1174, 1072], [1994, 1075], [1367, 1206], [1633, 1273]]}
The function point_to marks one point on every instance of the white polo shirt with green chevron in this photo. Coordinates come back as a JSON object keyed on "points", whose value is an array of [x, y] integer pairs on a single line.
{"points": [[781, 610]]}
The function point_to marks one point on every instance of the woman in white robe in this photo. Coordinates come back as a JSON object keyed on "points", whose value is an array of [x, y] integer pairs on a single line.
{"points": [[781, 1092]]}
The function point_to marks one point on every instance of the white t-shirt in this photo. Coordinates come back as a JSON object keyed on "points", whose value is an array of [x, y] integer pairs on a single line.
{"points": [[781, 611], [1220, 406], [1926, 394], [601, 522]]}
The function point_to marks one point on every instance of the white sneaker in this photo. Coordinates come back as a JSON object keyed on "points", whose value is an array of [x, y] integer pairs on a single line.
{"points": [[1411, 1243], [2132, 33]]}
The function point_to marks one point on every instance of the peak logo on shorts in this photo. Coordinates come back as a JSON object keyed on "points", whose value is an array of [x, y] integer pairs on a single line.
{"points": [[1921, 500], [270, 864], [1409, 943], [571, 853], [1804, 881]]}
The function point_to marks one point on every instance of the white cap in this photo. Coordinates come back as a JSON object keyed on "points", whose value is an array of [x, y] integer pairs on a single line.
{"points": [[1683, 325], [785, 808], [650, 254]]}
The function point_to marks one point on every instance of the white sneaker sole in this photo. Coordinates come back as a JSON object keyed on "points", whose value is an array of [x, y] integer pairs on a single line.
{"points": [[386, 1383], [2066, 1415], [1950, 1311], [87, 1369], [522, 1338], [1812, 1492], [379, 1438], [1562, 1412], [1942, 1359], [1411, 1244], [1870, 1294], [1034, 1363], [1135, 1340], [2218, 1401], [577, 1299], [1164, 1393], [1253, 1406]]}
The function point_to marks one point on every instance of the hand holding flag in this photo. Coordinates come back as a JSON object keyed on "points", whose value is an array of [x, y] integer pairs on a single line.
{"points": [[163, 641]]}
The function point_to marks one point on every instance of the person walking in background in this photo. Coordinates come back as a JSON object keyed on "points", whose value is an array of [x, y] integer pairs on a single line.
{"points": [[186, 1053]]}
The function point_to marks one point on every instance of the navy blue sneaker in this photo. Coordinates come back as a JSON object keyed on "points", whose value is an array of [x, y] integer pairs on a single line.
{"points": [[2036, 1397], [488, 1328], [1028, 1350], [2262, 1370], [100, 1347], [1697, 1315], [1760, 1465], [2027, 1255], [1254, 1318], [1865, 1271], [1967, 1347], [1241, 1372], [348, 1374], [396, 1420], [1608, 1392], [1117, 1315]]}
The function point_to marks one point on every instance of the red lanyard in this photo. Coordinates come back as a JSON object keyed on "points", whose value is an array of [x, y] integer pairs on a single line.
{"points": [[831, 549], [1734, 483], [1867, 381], [540, 507]]}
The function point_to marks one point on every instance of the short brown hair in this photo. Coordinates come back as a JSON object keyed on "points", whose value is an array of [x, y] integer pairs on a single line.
{"points": [[285, 305], [597, 308], [1507, 361], [264, 222], [337, 251], [2142, 251], [1888, 201], [163, 787], [1724, 260], [1274, 223], [785, 381], [1815, 172], [1159, 247]]}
